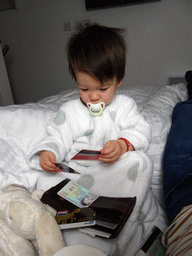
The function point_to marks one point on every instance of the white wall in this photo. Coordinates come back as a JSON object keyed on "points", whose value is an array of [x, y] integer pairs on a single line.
{"points": [[159, 38]]}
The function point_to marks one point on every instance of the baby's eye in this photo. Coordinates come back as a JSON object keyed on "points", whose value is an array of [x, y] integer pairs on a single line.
{"points": [[103, 89], [84, 90]]}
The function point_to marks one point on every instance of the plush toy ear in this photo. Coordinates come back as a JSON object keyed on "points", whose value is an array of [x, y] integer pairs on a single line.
{"points": [[36, 195], [48, 234]]}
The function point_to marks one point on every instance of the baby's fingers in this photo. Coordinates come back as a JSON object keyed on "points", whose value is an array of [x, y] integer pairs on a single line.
{"points": [[46, 165], [108, 158], [108, 148], [47, 160]]}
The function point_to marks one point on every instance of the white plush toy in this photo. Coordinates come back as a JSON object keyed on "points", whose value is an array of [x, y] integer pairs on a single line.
{"points": [[27, 227]]}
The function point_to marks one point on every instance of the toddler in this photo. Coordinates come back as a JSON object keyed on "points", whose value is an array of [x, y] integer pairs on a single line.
{"points": [[99, 119]]}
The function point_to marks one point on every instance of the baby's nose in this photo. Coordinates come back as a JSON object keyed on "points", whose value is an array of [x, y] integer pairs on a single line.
{"points": [[95, 96]]}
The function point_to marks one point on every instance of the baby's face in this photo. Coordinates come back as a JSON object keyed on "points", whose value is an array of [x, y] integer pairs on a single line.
{"points": [[93, 91]]}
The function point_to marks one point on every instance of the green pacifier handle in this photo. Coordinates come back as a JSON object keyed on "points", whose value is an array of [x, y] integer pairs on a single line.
{"points": [[98, 112]]}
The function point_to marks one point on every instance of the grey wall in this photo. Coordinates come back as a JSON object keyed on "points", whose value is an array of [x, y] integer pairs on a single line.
{"points": [[159, 38], [5, 90]]}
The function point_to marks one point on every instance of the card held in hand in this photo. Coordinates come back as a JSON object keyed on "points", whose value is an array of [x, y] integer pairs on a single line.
{"points": [[85, 154], [65, 168]]}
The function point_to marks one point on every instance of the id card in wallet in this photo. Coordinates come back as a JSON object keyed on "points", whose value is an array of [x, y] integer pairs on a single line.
{"points": [[77, 195]]}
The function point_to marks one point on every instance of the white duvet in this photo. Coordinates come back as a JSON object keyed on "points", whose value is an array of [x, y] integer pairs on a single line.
{"points": [[22, 126]]}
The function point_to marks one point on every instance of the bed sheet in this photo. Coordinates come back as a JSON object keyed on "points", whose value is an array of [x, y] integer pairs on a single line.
{"points": [[158, 112], [22, 125]]}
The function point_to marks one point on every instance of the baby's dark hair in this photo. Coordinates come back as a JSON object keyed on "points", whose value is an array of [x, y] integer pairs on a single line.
{"points": [[99, 51]]}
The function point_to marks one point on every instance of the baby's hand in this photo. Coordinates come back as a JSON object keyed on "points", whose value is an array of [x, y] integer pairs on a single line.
{"points": [[112, 151], [47, 160]]}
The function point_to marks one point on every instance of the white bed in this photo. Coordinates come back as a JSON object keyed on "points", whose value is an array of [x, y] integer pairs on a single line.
{"points": [[21, 126]]}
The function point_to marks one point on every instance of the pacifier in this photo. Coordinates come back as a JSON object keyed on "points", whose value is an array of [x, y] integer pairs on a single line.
{"points": [[96, 109]]}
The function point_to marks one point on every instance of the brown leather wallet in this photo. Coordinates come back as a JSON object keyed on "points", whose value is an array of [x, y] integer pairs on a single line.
{"points": [[111, 212]]}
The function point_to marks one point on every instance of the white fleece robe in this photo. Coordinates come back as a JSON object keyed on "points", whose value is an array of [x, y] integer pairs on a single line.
{"points": [[73, 129]]}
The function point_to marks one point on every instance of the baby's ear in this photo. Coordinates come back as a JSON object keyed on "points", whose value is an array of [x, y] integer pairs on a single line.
{"points": [[118, 83]]}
